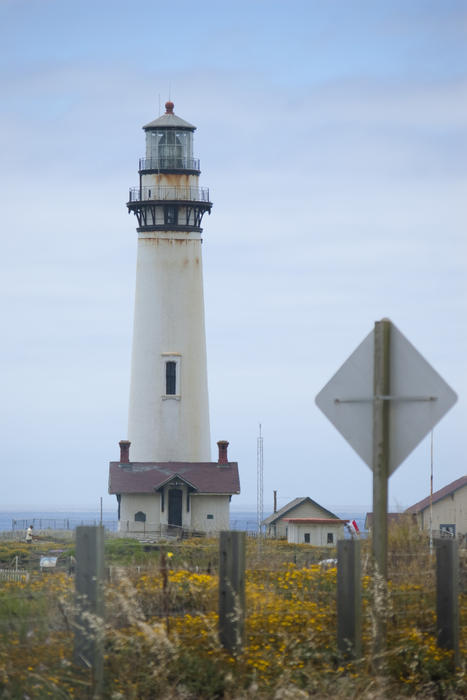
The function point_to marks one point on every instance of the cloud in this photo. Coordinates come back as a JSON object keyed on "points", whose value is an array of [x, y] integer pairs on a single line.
{"points": [[334, 205]]}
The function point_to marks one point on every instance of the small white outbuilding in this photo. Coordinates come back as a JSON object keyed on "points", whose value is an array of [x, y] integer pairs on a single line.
{"points": [[303, 521], [321, 532]]}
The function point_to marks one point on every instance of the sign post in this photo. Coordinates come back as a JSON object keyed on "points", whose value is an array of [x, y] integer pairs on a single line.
{"points": [[384, 400], [381, 445], [381, 383]]}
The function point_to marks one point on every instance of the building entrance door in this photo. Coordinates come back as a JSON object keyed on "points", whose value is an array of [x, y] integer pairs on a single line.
{"points": [[175, 507]]}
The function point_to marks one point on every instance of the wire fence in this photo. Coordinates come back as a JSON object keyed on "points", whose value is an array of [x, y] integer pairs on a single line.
{"points": [[20, 525], [41, 594], [290, 603]]}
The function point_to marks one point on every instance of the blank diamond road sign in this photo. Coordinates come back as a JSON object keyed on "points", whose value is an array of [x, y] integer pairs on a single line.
{"points": [[418, 399]]}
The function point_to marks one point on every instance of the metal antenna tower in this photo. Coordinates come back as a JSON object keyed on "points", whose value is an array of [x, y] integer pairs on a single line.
{"points": [[259, 480]]}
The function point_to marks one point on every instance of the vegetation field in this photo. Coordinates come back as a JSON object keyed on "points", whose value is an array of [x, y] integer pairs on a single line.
{"points": [[160, 631]]}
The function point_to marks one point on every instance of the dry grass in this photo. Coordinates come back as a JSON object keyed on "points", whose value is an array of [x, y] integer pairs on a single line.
{"points": [[160, 633]]}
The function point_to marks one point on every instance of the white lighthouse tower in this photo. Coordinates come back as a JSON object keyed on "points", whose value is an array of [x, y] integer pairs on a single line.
{"points": [[168, 412], [164, 481]]}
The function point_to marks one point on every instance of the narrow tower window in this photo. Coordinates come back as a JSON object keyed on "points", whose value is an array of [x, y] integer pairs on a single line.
{"points": [[170, 214], [170, 377]]}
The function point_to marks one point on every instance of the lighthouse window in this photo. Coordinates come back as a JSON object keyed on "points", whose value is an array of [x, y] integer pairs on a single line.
{"points": [[170, 215], [170, 377], [171, 150]]}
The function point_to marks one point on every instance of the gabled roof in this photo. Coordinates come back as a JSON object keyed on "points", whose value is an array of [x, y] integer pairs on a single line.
{"points": [[177, 478], [147, 477], [279, 514], [438, 495]]}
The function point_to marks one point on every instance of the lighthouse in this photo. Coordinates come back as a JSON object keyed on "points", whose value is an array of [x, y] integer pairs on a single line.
{"points": [[164, 477], [168, 413]]}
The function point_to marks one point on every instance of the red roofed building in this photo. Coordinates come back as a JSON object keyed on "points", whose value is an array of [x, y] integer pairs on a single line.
{"points": [[161, 497], [449, 509], [303, 521]]}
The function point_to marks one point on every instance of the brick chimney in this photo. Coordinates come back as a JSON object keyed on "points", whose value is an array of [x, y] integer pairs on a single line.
{"points": [[124, 451], [223, 445]]}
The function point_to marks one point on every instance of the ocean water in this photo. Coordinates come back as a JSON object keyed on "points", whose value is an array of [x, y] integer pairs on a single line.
{"points": [[69, 520]]}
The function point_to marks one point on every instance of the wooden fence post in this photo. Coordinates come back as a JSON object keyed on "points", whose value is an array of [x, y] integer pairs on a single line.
{"points": [[447, 595], [381, 439], [89, 583], [231, 590], [349, 599]]}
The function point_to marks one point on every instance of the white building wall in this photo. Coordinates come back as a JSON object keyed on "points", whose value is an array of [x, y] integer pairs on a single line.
{"points": [[131, 503], [195, 518], [169, 320], [451, 510], [217, 506], [318, 533]]}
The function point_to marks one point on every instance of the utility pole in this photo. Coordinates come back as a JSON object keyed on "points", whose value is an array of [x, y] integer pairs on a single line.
{"points": [[259, 482]]}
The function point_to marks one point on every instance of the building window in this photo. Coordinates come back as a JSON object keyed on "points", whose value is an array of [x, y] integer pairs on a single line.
{"points": [[140, 517], [209, 516], [170, 214], [330, 538], [307, 538], [170, 378], [448, 530]]}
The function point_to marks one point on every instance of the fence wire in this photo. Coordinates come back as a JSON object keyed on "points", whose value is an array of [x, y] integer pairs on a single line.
{"points": [[290, 605]]}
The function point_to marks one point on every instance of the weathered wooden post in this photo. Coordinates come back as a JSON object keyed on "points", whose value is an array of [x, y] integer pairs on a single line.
{"points": [[89, 583], [164, 569], [447, 595], [231, 590], [349, 599], [381, 389]]}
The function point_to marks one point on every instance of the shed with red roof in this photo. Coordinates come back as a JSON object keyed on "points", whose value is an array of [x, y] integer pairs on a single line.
{"points": [[305, 521]]}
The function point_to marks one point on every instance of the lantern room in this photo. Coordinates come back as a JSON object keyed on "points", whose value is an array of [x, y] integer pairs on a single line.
{"points": [[169, 143]]}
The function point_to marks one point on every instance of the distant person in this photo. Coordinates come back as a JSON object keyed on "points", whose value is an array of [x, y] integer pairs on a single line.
{"points": [[71, 568], [29, 534]]}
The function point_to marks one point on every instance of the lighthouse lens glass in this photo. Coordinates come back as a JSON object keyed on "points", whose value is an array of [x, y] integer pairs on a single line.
{"points": [[170, 149]]}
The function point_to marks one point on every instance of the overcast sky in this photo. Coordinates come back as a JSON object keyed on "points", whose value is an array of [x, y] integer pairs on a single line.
{"points": [[332, 136]]}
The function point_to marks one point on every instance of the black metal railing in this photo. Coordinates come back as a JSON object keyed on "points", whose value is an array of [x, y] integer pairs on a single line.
{"points": [[188, 194], [169, 163]]}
